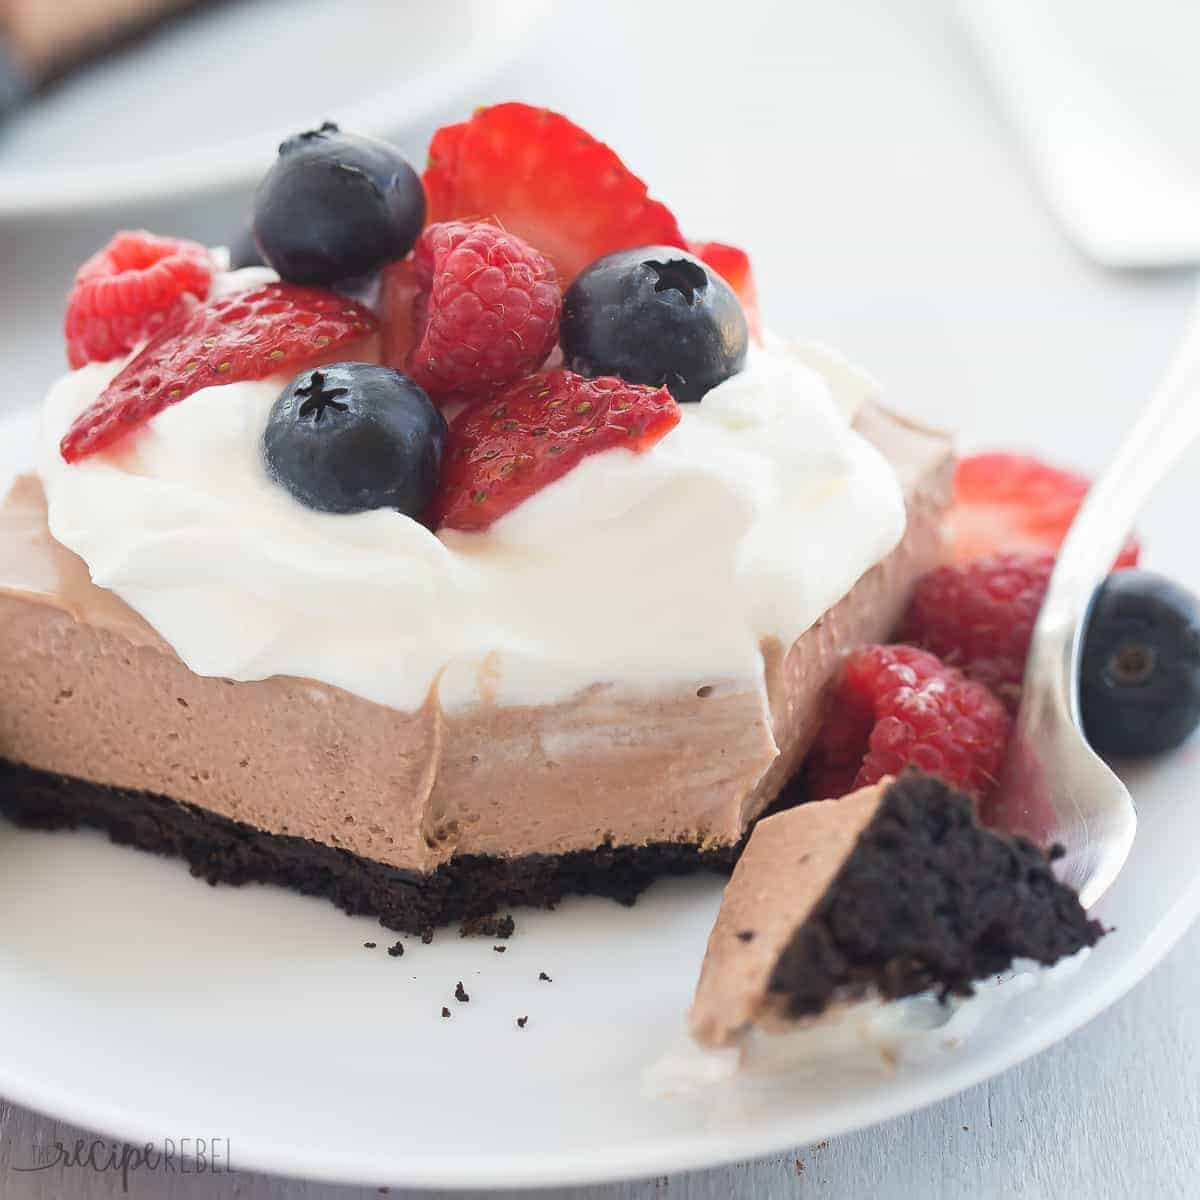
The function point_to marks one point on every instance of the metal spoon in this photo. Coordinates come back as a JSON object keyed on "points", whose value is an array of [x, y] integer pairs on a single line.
{"points": [[1054, 787]]}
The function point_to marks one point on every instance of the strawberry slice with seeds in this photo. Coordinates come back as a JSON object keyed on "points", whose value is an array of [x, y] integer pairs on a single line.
{"points": [[245, 336], [1016, 504], [501, 452], [542, 177], [733, 265]]}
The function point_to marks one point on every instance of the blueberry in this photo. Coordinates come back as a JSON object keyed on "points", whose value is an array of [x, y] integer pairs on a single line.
{"points": [[654, 315], [1139, 683], [336, 204], [353, 436]]}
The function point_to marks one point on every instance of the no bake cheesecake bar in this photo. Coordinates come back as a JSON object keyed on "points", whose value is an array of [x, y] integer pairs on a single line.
{"points": [[380, 602]]}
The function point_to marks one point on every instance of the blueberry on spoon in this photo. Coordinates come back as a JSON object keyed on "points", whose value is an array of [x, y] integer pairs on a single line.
{"points": [[1139, 682], [353, 436], [336, 204], [655, 315]]}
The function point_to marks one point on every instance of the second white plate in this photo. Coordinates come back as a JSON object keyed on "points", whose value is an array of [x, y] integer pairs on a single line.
{"points": [[203, 104]]}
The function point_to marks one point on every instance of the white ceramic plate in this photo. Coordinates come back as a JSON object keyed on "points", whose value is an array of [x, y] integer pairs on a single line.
{"points": [[139, 1002], [202, 104]]}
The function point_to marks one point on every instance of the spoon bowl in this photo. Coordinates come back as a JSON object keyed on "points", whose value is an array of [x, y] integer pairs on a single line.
{"points": [[1053, 787]]}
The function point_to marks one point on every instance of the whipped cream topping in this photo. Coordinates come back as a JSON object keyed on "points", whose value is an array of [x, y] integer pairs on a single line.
{"points": [[669, 568]]}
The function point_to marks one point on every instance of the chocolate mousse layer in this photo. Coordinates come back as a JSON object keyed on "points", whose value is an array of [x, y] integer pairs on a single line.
{"points": [[890, 891], [89, 692]]}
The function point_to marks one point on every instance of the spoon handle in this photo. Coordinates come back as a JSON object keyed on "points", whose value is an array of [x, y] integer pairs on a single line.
{"points": [[1167, 426]]}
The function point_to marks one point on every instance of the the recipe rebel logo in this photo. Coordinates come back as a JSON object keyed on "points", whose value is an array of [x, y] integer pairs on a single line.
{"points": [[170, 1156]]}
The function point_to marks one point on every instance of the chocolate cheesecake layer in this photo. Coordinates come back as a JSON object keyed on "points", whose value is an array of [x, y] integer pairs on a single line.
{"points": [[893, 890], [88, 690], [219, 850]]}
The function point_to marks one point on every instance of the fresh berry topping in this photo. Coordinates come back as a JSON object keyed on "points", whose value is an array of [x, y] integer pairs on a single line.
{"points": [[733, 265], [654, 315], [1010, 503], [336, 204], [543, 178], [894, 707], [247, 335], [1139, 681], [352, 436], [485, 312], [979, 617], [501, 452], [124, 293]]}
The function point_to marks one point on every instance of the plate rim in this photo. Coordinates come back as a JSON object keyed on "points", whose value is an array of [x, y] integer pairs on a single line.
{"points": [[165, 177]]}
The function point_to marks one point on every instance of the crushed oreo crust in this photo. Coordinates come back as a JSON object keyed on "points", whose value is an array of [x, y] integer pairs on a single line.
{"points": [[491, 926], [928, 898]]}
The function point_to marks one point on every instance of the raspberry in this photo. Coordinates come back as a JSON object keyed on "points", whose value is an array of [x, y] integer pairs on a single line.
{"points": [[979, 617], [126, 292], [485, 313], [244, 336], [894, 707], [501, 452]]}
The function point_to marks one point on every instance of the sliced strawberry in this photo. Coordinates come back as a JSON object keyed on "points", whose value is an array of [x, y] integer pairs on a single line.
{"points": [[245, 336], [501, 452], [1015, 504], [540, 176], [733, 265]]}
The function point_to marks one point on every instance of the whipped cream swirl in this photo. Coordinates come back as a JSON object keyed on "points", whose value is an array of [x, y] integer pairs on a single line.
{"points": [[669, 568]]}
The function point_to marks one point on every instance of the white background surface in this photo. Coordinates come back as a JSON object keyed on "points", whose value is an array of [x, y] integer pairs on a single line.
{"points": [[856, 151]]}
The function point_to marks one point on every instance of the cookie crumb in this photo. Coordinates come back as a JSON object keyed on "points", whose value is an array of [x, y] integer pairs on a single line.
{"points": [[522, 1022], [445, 1011], [499, 949], [492, 926], [544, 977], [745, 935], [427, 935], [369, 945], [460, 994], [397, 950]]}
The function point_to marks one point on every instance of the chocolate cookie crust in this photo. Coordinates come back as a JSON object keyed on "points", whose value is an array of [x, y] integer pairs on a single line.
{"points": [[928, 899], [220, 850]]}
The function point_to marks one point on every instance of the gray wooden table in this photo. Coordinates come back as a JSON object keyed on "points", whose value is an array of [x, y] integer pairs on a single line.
{"points": [[854, 147]]}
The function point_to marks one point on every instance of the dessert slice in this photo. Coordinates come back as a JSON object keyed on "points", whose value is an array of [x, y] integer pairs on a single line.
{"points": [[890, 891], [462, 627]]}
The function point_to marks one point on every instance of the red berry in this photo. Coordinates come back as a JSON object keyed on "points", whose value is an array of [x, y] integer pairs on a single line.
{"points": [[894, 707], [245, 336], [124, 293], [543, 178], [1011, 503], [501, 452], [733, 265], [979, 617], [485, 312]]}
